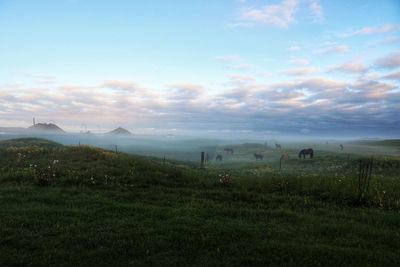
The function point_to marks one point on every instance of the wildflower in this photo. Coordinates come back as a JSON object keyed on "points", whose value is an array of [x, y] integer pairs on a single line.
{"points": [[225, 179]]}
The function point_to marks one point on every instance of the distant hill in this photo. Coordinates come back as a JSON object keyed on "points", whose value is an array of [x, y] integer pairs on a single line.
{"points": [[119, 131], [46, 127]]}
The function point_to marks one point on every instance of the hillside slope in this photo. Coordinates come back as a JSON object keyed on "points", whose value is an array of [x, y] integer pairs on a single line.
{"points": [[85, 206]]}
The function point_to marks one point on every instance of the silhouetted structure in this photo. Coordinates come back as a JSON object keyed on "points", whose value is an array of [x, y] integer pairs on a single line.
{"points": [[364, 175]]}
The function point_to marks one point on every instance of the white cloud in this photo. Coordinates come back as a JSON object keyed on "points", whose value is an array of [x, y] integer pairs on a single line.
{"points": [[377, 29], [354, 66], [300, 71], [228, 58], [278, 15], [294, 48], [281, 14], [299, 61], [316, 10], [333, 49], [234, 62]]}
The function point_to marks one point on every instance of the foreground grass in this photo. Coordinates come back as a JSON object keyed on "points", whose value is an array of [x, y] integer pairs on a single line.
{"points": [[188, 227], [118, 210]]}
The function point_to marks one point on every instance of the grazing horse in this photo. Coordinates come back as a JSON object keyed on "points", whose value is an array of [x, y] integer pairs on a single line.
{"points": [[228, 150], [305, 152], [278, 146], [258, 156], [341, 147], [218, 158]]}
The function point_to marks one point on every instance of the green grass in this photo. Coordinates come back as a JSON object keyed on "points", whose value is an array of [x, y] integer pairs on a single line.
{"points": [[105, 209]]}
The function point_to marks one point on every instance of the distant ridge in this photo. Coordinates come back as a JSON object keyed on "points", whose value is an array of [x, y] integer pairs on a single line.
{"points": [[46, 127], [119, 131]]}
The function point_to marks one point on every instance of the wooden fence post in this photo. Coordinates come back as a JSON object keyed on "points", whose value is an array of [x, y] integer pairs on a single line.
{"points": [[203, 160], [364, 176]]}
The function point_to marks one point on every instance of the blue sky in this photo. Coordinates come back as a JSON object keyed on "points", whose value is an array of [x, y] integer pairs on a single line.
{"points": [[256, 66]]}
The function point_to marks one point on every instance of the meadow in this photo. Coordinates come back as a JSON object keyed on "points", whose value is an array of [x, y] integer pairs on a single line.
{"points": [[69, 205]]}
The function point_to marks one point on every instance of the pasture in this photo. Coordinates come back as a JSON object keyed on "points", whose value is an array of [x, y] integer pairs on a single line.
{"points": [[82, 206]]}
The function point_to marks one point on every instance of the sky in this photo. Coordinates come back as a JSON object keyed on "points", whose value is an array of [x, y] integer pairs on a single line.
{"points": [[226, 67]]}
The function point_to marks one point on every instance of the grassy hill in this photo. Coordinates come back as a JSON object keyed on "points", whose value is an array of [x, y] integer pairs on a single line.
{"points": [[84, 206]]}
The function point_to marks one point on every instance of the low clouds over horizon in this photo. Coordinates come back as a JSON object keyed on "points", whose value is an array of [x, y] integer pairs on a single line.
{"points": [[316, 103]]}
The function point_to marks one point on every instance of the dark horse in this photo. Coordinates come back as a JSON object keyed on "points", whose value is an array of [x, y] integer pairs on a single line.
{"points": [[305, 152], [218, 158], [258, 156]]}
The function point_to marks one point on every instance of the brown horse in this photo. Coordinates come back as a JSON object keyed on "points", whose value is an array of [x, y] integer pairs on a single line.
{"points": [[305, 152]]}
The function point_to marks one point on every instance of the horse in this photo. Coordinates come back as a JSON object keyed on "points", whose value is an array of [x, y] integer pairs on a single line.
{"points": [[278, 146], [258, 156], [341, 147], [218, 158], [228, 150], [305, 152]]}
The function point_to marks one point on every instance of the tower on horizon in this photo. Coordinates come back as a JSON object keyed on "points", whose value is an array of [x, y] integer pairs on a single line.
{"points": [[34, 123]]}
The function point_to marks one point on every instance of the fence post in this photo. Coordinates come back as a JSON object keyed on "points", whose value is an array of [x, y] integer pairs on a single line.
{"points": [[364, 176]]}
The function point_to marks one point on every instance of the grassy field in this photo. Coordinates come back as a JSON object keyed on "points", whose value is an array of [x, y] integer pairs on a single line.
{"points": [[84, 206]]}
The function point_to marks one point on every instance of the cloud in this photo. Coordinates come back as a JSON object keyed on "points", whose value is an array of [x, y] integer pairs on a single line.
{"points": [[281, 14], [377, 29], [392, 76], [390, 40], [333, 49], [354, 66], [316, 10], [234, 62], [278, 15], [184, 91], [294, 48], [299, 61], [371, 30], [300, 71], [315, 103], [391, 61], [228, 58], [42, 79], [121, 85]]}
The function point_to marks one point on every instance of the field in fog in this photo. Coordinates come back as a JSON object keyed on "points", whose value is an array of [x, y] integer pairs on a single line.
{"points": [[82, 205]]}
